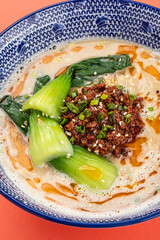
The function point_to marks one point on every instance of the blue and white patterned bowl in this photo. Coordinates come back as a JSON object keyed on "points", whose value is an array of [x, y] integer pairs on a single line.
{"points": [[68, 21]]}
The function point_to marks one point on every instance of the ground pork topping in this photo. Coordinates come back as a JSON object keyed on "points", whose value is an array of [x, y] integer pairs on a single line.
{"points": [[102, 119]]}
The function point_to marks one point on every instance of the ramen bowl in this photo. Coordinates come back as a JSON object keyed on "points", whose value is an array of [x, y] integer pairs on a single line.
{"points": [[66, 22]]}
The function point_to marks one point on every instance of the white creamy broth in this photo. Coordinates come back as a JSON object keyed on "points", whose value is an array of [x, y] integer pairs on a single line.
{"points": [[138, 183]]}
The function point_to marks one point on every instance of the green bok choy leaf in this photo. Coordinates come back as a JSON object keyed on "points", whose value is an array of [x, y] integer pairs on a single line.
{"points": [[87, 168]]}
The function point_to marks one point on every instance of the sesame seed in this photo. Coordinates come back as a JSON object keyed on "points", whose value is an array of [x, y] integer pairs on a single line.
{"points": [[132, 84], [94, 145], [89, 149], [100, 145], [42, 113], [114, 91], [60, 126], [118, 135], [64, 100], [46, 115], [21, 101], [126, 135], [113, 146], [68, 133], [120, 123], [73, 120], [121, 98], [85, 97], [23, 126], [51, 116], [38, 115], [96, 151], [95, 73], [62, 142], [20, 110], [125, 113], [68, 155]]}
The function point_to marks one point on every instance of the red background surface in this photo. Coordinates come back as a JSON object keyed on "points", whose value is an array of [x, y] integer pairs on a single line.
{"points": [[15, 223]]}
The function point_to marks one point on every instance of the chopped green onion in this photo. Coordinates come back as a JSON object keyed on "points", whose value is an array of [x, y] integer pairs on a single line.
{"points": [[85, 92], [80, 129], [81, 116], [102, 134], [105, 127], [87, 113], [72, 140], [110, 113], [120, 108], [72, 107], [111, 106], [63, 121], [125, 107], [94, 102], [100, 79], [150, 109], [132, 97], [26, 96], [120, 87], [100, 117], [127, 118], [82, 104], [74, 93], [63, 109], [104, 96], [151, 118]]}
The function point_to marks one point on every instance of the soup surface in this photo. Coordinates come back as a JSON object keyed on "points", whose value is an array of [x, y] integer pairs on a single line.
{"points": [[137, 186]]}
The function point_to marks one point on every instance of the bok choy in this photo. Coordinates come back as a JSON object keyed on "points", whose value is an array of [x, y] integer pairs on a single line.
{"points": [[87, 168], [46, 139], [51, 97]]}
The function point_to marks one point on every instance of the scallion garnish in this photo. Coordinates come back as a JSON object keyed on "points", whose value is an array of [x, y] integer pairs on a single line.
{"points": [[151, 118], [74, 93], [85, 92], [94, 102], [72, 107], [120, 87], [111, 106], [72, 140], [80, 129], [102, 134], [87, 113], [81, 116], [110, 113], [82, 104], [104, 96], [132, 97], [26, 96], [63, 121], [106, 127], [127, 118], [150, 109], [120, 108], [100, 117], [63, 109]]}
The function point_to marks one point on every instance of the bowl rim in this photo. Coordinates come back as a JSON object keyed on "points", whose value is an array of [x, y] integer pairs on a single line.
{"points": [[138, 219]]}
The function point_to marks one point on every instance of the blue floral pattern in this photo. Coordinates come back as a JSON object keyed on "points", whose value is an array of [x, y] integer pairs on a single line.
{"points": [[70, 21]]}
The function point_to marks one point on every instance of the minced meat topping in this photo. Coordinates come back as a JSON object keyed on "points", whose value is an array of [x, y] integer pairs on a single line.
{"points": [[102, 119]]}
